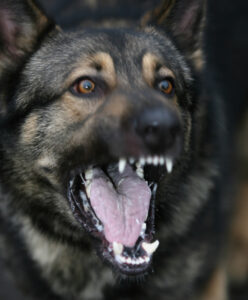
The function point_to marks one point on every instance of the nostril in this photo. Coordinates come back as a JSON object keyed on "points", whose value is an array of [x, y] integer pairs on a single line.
{"points": [[152, 128]]}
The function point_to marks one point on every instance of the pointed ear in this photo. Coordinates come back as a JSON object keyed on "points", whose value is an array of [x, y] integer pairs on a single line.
{"points": [[185, 20], [22, 23]]}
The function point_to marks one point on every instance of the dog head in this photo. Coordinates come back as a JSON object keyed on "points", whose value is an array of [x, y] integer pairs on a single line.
{"points": [[96, 122]]}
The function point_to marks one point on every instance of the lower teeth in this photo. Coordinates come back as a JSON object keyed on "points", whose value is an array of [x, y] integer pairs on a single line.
{"points": [[135, 261]]}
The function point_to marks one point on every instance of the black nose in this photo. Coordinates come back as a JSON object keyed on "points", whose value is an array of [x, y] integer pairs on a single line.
{"points": [[159, 128]]}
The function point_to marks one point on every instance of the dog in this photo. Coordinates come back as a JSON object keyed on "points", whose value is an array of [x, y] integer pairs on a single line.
{"points": [[114, 170]]}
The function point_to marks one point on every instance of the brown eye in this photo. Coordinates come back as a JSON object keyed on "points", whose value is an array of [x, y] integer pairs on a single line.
{"points": [[84, 86], [166, 86]]}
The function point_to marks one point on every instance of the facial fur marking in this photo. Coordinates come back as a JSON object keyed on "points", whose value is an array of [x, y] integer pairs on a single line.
{"points": [[150, 63], [98, 64], [29, 129]]}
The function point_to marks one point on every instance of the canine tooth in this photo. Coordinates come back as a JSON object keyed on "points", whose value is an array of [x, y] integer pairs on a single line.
{"points": [[89, 174], [118, 248], [140, 172], [122, 165], [142, 161], [155, 160], [150, 247], [169, 164], [161, 160]]}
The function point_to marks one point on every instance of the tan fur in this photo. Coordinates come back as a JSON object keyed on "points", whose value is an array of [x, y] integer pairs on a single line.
{"points": [[29, 129], [198, 59], [41, 19], [74, 109], [152, 66], [57, 258], [160, 13], [100, 63], [238, 256], [217, 286], [150, 63]]}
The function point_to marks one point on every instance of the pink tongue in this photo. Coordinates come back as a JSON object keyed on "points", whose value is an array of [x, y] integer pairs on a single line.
{"points": [[122, 210]]}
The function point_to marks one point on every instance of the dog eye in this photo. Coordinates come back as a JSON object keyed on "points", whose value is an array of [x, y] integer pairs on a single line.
{"points": [[166, 86], [84, 86]]}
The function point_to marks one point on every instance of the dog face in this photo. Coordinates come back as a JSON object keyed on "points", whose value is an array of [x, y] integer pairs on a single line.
{"points": [[95, 123]]}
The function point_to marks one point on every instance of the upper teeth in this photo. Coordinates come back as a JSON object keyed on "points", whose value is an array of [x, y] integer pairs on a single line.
{"points": [[122, 165], [89, 174], [142, 161], [169, 164]]}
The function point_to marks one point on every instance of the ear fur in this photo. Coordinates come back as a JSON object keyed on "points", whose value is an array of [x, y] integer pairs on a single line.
{"points": [[22, 26], [184, 20], [22, 22]]}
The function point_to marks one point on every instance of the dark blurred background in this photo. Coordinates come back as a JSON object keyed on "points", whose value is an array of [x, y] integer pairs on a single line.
{"points": [[227, 63]]}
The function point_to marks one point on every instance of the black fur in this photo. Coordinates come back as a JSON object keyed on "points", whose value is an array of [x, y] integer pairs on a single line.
{"points": [[191, 204]]}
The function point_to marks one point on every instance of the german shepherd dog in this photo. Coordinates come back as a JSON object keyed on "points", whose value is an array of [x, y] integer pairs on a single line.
{"points": [[113, 157]]}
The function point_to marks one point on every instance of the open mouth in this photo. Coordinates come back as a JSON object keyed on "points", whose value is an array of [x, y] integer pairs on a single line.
{"points": [[115, 203]]}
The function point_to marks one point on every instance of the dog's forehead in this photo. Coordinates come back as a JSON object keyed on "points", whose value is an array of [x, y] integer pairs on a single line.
{"points": [[124, 51], [123, 46]]}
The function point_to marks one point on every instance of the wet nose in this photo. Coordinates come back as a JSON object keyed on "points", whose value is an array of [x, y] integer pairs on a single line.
{"points": [[159, 128]]}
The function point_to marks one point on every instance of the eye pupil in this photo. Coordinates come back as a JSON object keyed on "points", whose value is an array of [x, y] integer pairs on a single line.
{"points": [[166, 86], [84, 86], [87, 85]]}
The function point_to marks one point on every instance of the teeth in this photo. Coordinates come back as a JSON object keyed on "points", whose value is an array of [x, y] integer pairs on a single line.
{"points": [[89, 174], [161, 160], [143, 230], [155, 160], [150, 247], [118, 248], [129, 260], [141, 260], [88, 186], [132, 261], [169, 164], [147, 258], [149, 160], [144, 226], [122, 165], [140, 172], [142, 161]]}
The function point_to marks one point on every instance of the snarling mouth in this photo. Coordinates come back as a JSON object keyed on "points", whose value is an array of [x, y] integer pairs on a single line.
{"points": [[115, 203]]}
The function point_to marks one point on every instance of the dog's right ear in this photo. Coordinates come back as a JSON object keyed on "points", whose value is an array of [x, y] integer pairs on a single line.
{"points": [[185, 21], [22, 25]]}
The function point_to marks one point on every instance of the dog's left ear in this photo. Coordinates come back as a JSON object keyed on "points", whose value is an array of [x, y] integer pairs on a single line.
{"points": [[184, 20]]}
